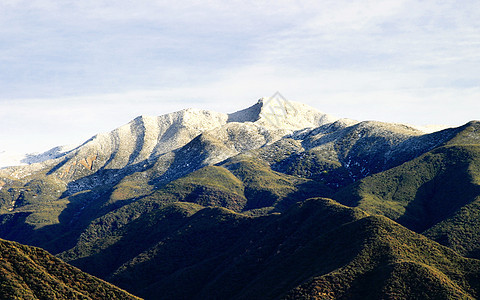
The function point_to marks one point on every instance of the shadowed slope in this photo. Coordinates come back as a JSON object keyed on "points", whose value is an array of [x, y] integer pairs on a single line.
{"points": [[316, 248], [439, 189]]}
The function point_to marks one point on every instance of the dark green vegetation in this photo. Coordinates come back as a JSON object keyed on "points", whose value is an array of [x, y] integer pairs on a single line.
{"points": [[31, 273], [437, 194], [175, 226], [316, 245]]}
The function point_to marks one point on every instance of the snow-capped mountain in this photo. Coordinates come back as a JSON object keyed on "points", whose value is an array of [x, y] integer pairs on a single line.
{"points": [[172, 145], [152, 151], [125, 204], [147, 137]]}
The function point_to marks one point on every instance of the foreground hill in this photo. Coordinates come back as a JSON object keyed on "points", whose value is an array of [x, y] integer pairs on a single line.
{"points": [[32, 273]]}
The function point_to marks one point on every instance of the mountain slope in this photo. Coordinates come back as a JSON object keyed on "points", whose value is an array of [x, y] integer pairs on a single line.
{"points": [[242, 185], [31, 273], [316, 247], [437, 193], [163, 148], [460, 232], [425, 185], [203, 204], [43, 201], [363, 148], [394, 263], [51, 204]]}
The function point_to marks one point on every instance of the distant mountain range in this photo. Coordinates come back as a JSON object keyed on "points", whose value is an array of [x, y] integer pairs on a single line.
{"points": [[277, 200]]}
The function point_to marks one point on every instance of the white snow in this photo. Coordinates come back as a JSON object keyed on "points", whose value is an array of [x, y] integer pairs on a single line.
{"points": [[148, 137], [289, 115]]}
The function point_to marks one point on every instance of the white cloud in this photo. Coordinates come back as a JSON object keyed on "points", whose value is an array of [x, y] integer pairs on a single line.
{"points": [[374, 96], [404, 61]]}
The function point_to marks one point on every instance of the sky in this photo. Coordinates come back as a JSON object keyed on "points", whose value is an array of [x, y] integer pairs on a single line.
{"points": [[71, 69]]}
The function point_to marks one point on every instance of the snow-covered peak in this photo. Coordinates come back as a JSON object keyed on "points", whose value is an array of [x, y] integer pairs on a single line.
{"points": [[285, 114], [150, 136], [147, 137], [279, 113]]}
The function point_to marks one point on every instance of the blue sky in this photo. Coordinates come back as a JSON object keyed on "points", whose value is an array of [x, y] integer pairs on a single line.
{"points": [[71, 69]]}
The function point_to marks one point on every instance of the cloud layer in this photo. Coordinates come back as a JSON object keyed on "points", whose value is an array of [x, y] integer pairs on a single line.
{"points": [[93, 65]]}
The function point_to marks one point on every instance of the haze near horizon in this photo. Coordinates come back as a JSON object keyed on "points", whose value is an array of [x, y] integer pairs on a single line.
{"points": [[69, 70]]}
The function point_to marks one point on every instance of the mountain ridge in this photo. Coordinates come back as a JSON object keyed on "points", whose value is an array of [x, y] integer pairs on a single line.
{"points": [[191, 118], [117, 205], [154, 151], [264, 113]]}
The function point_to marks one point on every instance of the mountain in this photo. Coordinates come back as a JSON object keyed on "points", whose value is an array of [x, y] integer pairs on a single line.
{"points": [[316, 247], [203, 204], [437, 193], [32, 273], [115, 168]]}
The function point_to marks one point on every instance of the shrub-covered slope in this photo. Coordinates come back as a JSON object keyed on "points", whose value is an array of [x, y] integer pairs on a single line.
{"points": [[317, 247], [242, 185], [31, 273], [438, 193]]}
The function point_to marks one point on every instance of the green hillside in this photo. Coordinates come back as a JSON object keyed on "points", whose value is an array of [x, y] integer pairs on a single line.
{"points": [[265, 188], [460, 232], [102, 249], [32, 273], [318, 247], [393, 263], [440, 189], [242, 185]]}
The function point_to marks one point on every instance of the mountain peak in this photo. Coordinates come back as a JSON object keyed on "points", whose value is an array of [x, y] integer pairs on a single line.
{"points": [[277, 112], [249, 114]]}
